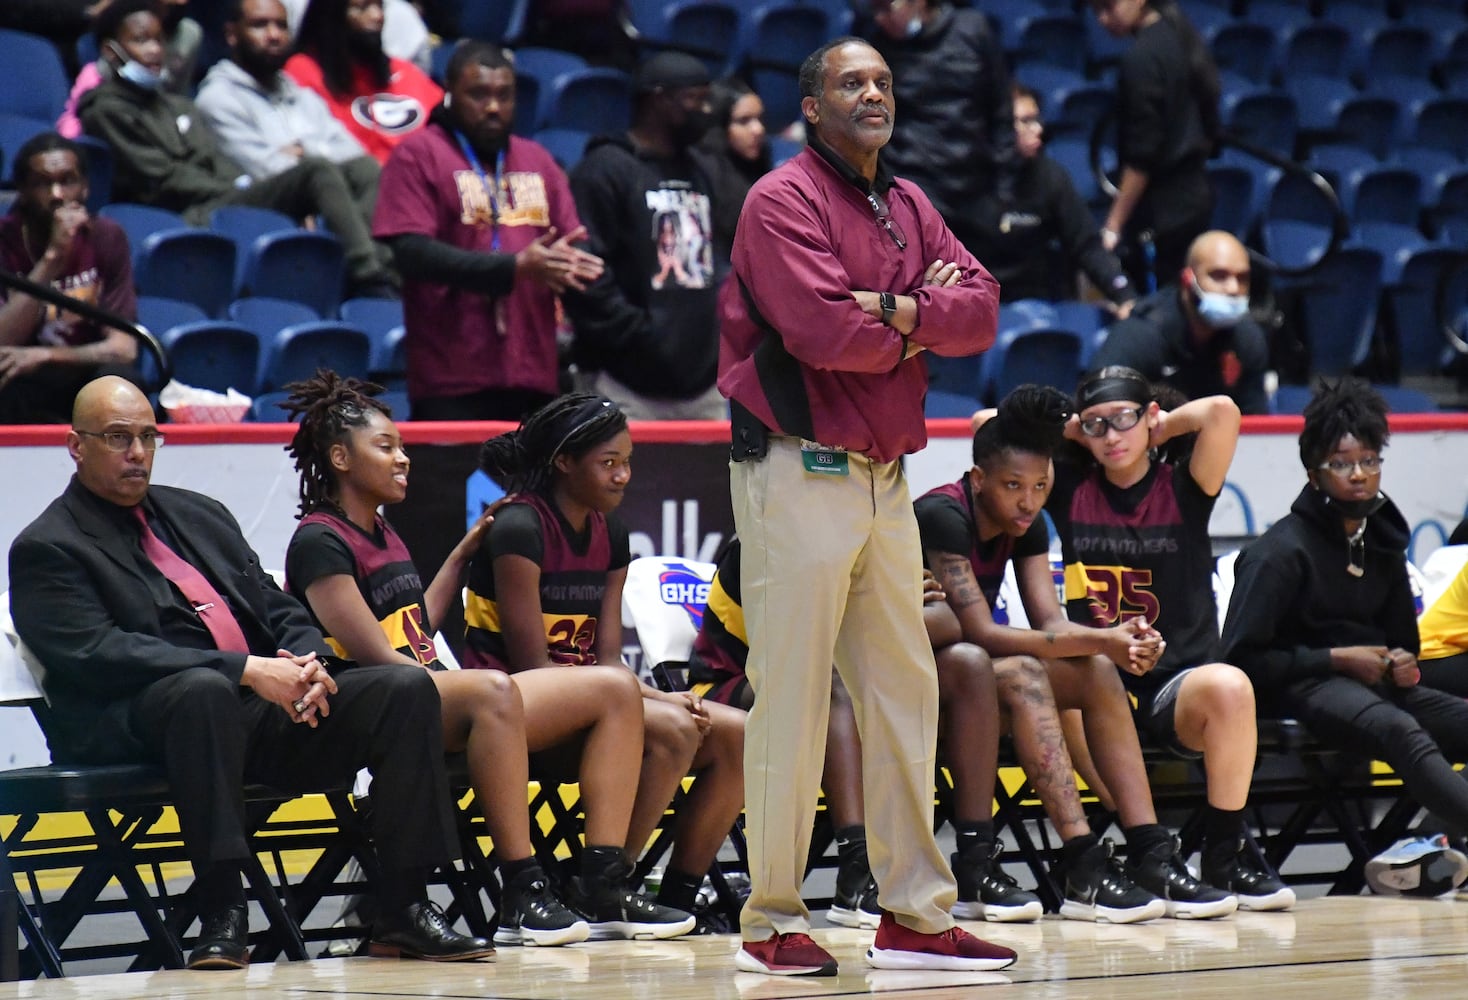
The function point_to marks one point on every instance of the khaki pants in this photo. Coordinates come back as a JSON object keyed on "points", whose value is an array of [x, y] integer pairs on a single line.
{"points": [[831, 572]]}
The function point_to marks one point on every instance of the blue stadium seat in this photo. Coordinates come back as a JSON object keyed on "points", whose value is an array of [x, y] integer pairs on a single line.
{"points": [[1339, 302], [389, 363], [1410, 309], [1044, 355], [265, 408], [1434, 167], [1105, 49], [536, 70], [15, 132], [1074, 154], [141, 221], [267, 316], [959, 376], [778, 36], [244, 224], [1246, 49], [1263, 117], [1338, 162], [529, 100], [1320, 48], [101, 168], [303, 266], [1009, 17], [1373, 122], [1057, 39], [1397, 244], [1080, 109], [1384, 194], [193, 265], [1291, 399], [380, 319], [1397, 50], [1284, 17], [298, 351], [1440, 124], [1233, 198], [34, 83], [709, 29], [159, 314], [500, 21], [1294, 243], [1411, 92], [589, 100], [938, 404], [782, 149], [566, 145], [214, 355], [1318, 99]]}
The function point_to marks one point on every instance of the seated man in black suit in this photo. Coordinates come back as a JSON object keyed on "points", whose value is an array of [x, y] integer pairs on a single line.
{"points": [[166, 643]]}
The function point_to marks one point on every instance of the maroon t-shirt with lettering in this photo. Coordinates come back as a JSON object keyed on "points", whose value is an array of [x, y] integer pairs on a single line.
{"points": [[98, 271], [461, 341]]}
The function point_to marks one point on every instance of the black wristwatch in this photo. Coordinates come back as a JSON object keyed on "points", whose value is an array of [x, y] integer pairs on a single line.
{"points": [[889, 306]]}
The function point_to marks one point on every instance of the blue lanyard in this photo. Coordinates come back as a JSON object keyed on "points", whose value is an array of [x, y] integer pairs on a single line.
{"points": [[491, 191]]}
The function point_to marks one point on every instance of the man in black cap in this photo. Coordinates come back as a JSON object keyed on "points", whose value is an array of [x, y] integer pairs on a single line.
{"points": [[647, 330]]}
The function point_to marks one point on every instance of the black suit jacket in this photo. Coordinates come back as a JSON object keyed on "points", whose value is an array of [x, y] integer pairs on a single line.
{"points": [[83, 606]]}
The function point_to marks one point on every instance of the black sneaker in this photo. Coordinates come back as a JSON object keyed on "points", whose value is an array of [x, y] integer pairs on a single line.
{"points": [[614, 911], [854, 903], [531, 914], [1161, 871], [1097, 889], [1246, 875], [986, 892]]}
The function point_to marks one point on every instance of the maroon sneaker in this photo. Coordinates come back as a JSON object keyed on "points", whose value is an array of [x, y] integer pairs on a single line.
{"points": [[785, 955], [954, 950]]}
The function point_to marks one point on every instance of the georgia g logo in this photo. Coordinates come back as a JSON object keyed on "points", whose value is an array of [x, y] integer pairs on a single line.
{"points": [[390, 114], [678, 585]]}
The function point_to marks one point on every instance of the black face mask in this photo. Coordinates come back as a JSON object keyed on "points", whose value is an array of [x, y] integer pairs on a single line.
{"points": [[1355, 510], [692, 128]]}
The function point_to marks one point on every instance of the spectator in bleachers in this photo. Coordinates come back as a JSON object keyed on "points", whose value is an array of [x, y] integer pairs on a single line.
{"points": [[1197, 335], [739, 151], [1035, 243], [1323, 618], [647, 331], [404, 33], [481, 224], [165, 643], [339, 54], [265, 121], [167, 156], [47, 354], [1167, 122], [182, 38], [954, 135]]}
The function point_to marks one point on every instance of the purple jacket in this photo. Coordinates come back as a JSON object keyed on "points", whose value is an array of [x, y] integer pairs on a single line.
{"points": [[795, 348]]}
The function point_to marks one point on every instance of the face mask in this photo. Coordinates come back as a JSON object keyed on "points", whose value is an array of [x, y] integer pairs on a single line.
{"points": [[694, 126], [914, 28], [137, 74], [1221, 311], [1355, 510]]}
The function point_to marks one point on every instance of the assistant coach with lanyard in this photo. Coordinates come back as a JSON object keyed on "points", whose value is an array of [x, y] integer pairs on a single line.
{"points": [[843, 275]]}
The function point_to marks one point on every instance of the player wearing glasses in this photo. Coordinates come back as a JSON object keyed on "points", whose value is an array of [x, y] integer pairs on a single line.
{"points": [[1133, 524], [1323, 618]]}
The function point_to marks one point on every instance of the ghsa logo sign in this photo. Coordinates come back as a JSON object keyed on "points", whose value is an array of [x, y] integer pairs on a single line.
{"points": [[680, 587]]}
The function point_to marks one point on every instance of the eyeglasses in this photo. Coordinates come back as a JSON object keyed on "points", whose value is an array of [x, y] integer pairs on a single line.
{"points": [[1030, 121], [1122, 420], [885, 220], [1370, 465], [121, 441]]}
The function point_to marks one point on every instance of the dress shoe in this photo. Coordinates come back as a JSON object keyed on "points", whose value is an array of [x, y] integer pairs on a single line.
{"points": [[224, 937], [420, 930]]}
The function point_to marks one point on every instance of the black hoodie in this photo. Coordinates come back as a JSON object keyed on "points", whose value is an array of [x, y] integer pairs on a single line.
{"points": [[1293, 599], [657, 336]]}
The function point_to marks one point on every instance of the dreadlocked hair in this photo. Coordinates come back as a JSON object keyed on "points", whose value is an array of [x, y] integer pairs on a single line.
{"points": [[1030, 419], [1350, 406], [523, 460], [329, 407]]}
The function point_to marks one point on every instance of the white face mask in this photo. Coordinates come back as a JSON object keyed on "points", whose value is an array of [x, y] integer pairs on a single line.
{"points": [[914, 27], [136, 73]]}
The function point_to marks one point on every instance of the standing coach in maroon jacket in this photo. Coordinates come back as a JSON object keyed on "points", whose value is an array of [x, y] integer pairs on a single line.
{"points": [[843, 277]]}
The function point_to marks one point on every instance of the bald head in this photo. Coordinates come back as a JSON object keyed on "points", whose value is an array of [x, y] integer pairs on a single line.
{"points": [[1218, 248], [112, 407]]}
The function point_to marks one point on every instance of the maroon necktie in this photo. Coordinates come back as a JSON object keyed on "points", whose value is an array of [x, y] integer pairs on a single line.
{"points": [[197, 590]]}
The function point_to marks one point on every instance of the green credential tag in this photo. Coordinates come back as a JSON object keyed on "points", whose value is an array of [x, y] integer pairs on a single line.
{"points": [[824, 461]]}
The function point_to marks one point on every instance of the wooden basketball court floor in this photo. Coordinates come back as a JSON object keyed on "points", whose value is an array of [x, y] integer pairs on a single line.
{"points": [[1327, 948]]}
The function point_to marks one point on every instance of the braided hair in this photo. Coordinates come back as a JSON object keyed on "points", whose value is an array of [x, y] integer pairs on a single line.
{"points": [[1030, 419], [523, 460], [1350, 406], [329, 407]]}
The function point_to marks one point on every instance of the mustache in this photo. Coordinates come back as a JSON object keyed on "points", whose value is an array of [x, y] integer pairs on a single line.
{"points": [[865, 110]]}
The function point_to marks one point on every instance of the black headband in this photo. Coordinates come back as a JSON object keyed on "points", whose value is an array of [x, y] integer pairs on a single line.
{"points": [[567, 426], [1112, 388]]}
